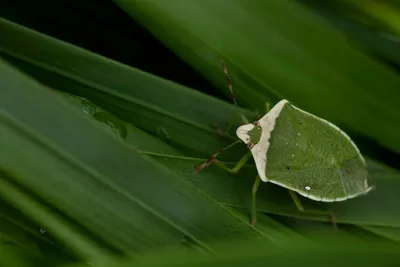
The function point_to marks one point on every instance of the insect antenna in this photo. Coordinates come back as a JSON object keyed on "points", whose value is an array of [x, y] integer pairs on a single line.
{"points": [[233, 95], [213, 157], [239, 113]]}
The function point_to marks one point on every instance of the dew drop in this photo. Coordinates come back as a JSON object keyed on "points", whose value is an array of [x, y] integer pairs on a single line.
{"points": [[308, 188], [88, 107], [163, 132]]}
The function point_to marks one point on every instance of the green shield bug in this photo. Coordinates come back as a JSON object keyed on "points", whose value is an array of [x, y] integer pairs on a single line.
{"points": [[301, 152]]}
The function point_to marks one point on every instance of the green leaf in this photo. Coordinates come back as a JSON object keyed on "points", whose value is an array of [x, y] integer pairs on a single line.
{"points": [[362, 31], [157, 106], [327, 251], [379, 207], [392, 233], [14, 256], [121, 195], [310, 64], [12, 233]]}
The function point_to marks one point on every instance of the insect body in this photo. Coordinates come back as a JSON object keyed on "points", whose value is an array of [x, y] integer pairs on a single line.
{"points": [[306, 154], [301, 152]]}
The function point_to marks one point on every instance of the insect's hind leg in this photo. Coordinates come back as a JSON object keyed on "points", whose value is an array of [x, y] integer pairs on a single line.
{"points": [[300, 207]]}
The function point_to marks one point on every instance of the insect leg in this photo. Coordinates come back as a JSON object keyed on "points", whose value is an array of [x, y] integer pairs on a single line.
{"points": [[296, 200], [300, 207], [253, 200], [213, 159], [238, 165]]}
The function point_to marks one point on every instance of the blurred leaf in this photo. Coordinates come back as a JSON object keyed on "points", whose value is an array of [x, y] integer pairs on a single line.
{"points": [[276, 60], [392, 233], [383, 11], [328, 251], [33, 238], [62, 229], [363, 32], [14, 256], [12, 233]]}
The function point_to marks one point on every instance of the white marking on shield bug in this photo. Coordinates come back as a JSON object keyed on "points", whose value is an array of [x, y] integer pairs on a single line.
{"points": [[307, 188], [241, 132], [267, 124]]}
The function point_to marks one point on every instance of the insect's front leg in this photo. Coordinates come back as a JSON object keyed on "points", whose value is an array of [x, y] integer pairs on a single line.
{"points": [[218, 163], [300, 207], [253, 200]]}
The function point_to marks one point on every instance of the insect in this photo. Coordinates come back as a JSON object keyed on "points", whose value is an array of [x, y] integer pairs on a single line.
{"points": [[301, 152]]}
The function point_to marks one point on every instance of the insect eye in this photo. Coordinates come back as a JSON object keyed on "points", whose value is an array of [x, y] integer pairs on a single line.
{"points": [[256, 123], [250, 145]]}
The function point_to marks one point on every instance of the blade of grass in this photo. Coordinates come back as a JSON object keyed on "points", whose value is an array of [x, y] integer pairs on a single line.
{"points": [[329, 251], [82, 247], [29, 235]]}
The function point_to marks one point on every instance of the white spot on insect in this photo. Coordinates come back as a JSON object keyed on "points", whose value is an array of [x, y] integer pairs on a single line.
{"points": [[319, 198], [308, 188]]}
